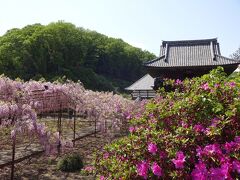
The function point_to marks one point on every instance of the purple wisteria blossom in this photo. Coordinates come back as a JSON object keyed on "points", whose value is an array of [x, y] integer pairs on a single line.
{"points": [[128, 116]]}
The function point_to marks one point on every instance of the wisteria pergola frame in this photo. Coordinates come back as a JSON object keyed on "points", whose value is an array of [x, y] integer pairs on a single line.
{"points": [[48, 103]]}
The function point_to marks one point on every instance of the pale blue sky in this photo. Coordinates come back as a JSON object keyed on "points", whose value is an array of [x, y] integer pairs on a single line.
{"points": [[142, 23]]}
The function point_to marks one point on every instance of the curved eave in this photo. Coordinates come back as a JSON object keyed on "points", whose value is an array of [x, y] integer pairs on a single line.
{"points": [[165, 65], [186, 67], [154, 60], [128, 89]]}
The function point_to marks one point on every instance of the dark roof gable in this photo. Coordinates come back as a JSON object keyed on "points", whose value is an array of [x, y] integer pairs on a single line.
{"points": [[184, 53]]}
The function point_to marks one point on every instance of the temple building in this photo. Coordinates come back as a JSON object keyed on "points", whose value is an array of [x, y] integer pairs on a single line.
{"points": [[142, 88], [181, 59]]}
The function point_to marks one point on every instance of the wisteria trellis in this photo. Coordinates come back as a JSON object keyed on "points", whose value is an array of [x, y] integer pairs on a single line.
{"points": [[20, 102]]}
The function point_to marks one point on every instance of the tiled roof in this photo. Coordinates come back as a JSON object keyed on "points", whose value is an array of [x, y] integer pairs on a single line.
{"points": [[145, 83], [205, 52]]}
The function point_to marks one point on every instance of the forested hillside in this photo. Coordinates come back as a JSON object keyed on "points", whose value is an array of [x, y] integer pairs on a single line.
{"points": [[62, 49]]}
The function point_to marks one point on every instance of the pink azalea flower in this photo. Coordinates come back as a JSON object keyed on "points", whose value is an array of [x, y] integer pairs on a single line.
{"points": [[179, 160], [199, 152], [229, 146], [236, 166], [152, 148], [200, 172], [184, 124], [212, 149], [217, 85], [105, 155], [89, 168], [232, 84], [178, 82], [207, 131], [214, 122], [151, 115], [156, 169], [142, 169], [102, 177], [198, 128], [163, 154], [220, 173], [205, 86], [131, 129], [237, 139]]}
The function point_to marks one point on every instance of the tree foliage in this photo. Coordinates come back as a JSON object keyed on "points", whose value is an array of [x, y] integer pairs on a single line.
{"points": [[236, 54], [60, 48]]}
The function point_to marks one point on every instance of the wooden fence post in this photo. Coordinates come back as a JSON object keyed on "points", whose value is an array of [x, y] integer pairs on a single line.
{"points": [[95, 134], [59, 128], [13, 157], [74, 128]]}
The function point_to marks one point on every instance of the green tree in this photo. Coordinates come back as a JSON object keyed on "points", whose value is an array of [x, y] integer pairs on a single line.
{"points": [[62, 49]]}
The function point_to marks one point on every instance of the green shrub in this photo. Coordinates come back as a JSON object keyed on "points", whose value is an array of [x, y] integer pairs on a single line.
{"points": [[70, 163]]}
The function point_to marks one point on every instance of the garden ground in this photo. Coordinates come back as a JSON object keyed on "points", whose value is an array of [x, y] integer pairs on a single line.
{"points": [[45, 167]]}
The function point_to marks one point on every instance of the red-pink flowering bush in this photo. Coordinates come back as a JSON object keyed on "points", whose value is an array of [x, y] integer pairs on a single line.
{"points": [[190, 133]]}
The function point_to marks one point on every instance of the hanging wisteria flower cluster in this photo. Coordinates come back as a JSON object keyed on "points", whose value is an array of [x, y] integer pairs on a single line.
{"points": [[21, 102]]}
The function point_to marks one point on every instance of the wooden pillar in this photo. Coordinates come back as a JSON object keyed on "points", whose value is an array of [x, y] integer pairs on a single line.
{"points": [[59, 127], [13, 157], [95, 127], [74, 127]]}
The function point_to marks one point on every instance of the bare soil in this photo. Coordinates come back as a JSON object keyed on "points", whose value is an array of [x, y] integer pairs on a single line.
{"points": [[44, 167]]}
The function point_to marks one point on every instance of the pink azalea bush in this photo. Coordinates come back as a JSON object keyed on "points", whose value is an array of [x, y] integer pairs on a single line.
{"points": [[192, 132]]}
